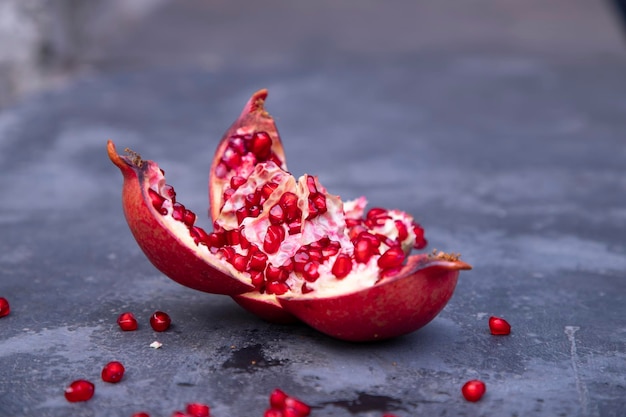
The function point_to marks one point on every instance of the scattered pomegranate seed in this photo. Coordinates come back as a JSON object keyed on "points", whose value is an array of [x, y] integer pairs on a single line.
{"points": [[79, 390], [113, 372], [499, 326], [198, 410], [5, 309], [473, 390], [127, 322], [282, 405], [141, 414], [160, 321]]}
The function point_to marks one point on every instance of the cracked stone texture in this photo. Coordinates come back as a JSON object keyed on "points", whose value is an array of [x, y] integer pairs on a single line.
{"points": [[500, 126]]}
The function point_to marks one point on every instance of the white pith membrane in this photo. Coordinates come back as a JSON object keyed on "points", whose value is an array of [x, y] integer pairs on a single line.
{"points": [[331, 224]]}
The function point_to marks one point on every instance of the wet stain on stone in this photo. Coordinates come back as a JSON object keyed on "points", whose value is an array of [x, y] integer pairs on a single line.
{"points": [[185, 384], [367, 402], [250, 358]]}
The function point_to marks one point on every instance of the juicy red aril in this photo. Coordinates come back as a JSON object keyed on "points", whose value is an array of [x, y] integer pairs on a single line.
{"points": [[237, 181], [180, 213], [237, 144], [277, 398], [113, 372], [258, 261], [79, 390], [276, 215], [300, 408], [363, 251], [403, 232], [275, 287], [420, 242], [499, 326], [231, 158], [273, 238], [160, 321], [392, 258], [473, 390], [276, 273], [127, 322], [273, 413], [261, 146], [289, 203], [310, 271], [342, 266], [240, 262], [198, 410], [5, 308], [140, 415], [199, 235], [157, 201]]}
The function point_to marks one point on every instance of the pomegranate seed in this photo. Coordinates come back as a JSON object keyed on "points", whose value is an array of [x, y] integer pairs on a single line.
{"points": [[273, 238], [113, 372], [257, 279], [473, 390], [198, 410], [278, 288], [216, 239], [228, 193], [319, 201], [168, 191], [393, 258], [5, 308], [403, 232], [376, 212], [295, 226], [179, 413], [237, 144], [267, 189], [237, 181], [157, 201], [253, 199], [276, 215], [420, 242], [298, 406], [342, 266], [140, 414], [277, 274], [289, 203], [127, 322], [79, 390], [258, 260], [241, 213], [261, 146], [305, 288], [240, 262], [310, 183], [277, 398], [199, 235], [350, 223], [310, 272], [273, 413], [227, 252], [221, 170], [499, 326], [300, 259], [231, 158], [363, 251], [233, 237], [331, 250], [160, 321]]}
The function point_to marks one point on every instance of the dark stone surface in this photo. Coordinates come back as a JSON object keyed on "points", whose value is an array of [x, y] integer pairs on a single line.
{"points": [[511, 153]]}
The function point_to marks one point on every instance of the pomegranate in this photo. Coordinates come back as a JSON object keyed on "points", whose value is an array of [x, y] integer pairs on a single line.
{"points": [[473, 390], [79, 390], [5, 308], [283, 405], [284, 248], [499, 326]]}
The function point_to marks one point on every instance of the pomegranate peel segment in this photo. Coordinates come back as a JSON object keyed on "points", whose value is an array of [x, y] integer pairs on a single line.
{"points": [[181, 260], [235, 150], [395, 306]]}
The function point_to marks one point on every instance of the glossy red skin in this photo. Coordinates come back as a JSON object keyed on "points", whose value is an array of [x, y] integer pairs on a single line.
{"points": [[394, 307], [160, 245]]}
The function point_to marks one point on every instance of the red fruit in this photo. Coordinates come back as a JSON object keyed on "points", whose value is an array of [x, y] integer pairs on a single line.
{"points": [[198, 410], [5, 308], [160, 321], [285, 248], [113, 372], [79, 390], [140, 414], [499, 326], [127, 322], [473, 390], [282, 405]]}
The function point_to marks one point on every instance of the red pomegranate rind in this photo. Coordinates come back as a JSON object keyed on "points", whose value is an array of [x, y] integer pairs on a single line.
{"points": [[181, 261], [265, 307], [394, 307], [253, 119]]}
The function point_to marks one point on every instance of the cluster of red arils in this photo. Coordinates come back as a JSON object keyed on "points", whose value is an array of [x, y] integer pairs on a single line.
{"points": [[159, 321]]}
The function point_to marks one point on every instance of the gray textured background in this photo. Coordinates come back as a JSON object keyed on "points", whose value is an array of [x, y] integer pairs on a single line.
{"points": [[499, 125]]}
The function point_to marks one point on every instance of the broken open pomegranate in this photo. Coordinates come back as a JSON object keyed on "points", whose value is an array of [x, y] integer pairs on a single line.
{"points": [[284, 248]]}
